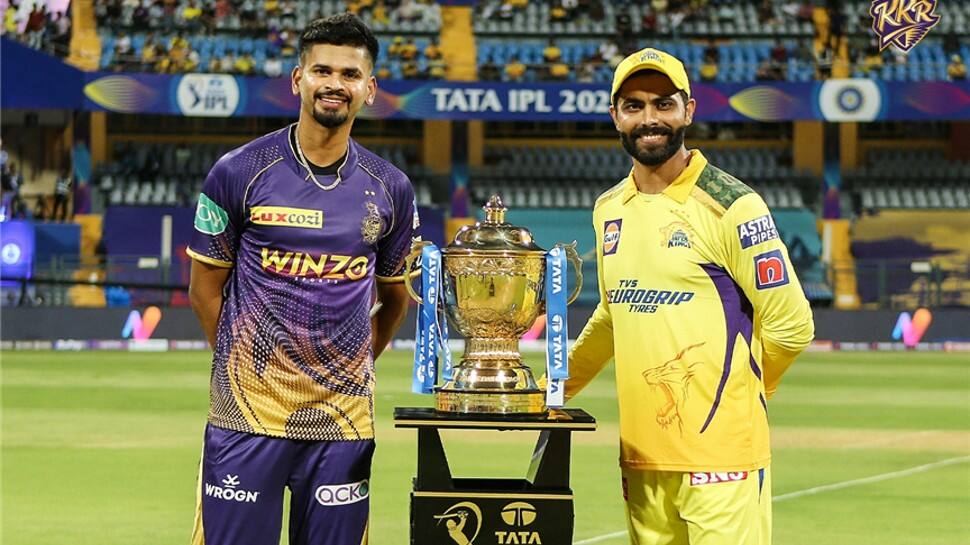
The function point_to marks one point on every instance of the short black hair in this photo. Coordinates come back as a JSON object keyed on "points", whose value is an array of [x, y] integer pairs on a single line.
{"points": [[341, 29]]}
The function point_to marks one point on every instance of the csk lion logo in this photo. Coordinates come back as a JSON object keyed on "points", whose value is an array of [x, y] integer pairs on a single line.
{"points": [[672, 379]]}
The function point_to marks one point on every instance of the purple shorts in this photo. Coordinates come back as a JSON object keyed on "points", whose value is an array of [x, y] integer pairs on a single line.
{"points": [[240, 496]]}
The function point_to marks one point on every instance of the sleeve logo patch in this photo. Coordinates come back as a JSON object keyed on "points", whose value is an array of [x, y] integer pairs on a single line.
{"points": [[770, 270], [611, 236], [756, 231], [210, 218], [286, 217]]}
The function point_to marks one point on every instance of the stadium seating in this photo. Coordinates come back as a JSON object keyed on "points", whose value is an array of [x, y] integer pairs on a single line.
{"points": [[574, 177], [150, 173], [888, 181]]}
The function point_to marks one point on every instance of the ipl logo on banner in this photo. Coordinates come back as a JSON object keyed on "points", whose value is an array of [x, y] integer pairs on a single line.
{"points": [[141, 326], [902, 23]]}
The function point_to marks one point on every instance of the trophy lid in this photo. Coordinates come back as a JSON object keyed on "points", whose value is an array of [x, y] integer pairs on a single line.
{"points": [[494, 233]]}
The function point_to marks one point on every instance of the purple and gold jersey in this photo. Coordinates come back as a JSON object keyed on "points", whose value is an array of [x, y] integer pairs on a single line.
{"points": [[293, 353]]}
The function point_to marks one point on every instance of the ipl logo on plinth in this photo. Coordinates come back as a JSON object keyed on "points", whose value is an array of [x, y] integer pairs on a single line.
{"points": [[902, 23]]}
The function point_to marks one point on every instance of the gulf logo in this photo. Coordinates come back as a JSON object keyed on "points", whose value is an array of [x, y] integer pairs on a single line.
{"points": [[611, 236]]}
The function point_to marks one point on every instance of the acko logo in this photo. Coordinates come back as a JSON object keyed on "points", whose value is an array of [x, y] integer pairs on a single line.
{"points": [[229, 491], [770, 270], [210, 218], [611, 236], [141, 326], [910, 329], [207, 95], [286, 217], [342, 494]]}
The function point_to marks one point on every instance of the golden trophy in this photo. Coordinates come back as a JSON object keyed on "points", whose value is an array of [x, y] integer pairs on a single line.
{"points": [[493, 279]]}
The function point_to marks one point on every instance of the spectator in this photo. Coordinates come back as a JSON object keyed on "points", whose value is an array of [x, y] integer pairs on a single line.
{"points": [[514, 70], [191, 15], [779, 53], [11, 23], [648, 22], [379, 15], [586, 72], [437, 68], [191, 62], [712, 53], [765, 71], [183, 154], [394, 50], [709, 70], [433, 51], [607, 50], [62, 194], [956, 70], [823, 62], [13, 181], [272, 66], [873, 60], [551, 53], [489, 71], [803, 53], [148, 53], [409, 51], [559, 71], [383, 72], [36, 22], [951, 43], [245, 64], [228, 62], [558, 13], [410, 70]]}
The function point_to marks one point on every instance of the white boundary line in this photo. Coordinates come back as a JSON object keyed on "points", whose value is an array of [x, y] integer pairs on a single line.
{"points": [[824, 488]]}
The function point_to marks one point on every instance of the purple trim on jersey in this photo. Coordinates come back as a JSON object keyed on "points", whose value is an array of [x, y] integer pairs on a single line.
{"points": [[244, 475], [738, 314]]}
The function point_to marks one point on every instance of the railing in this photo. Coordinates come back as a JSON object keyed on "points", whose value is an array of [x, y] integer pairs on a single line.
{"points": [[902, 284]]}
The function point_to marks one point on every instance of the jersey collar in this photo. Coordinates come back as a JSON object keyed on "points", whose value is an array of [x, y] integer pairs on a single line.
{"points": [[343, 172], [682, 185]]}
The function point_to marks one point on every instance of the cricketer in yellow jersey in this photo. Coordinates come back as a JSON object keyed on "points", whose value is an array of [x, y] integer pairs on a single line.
{"points": [[702, 312]]}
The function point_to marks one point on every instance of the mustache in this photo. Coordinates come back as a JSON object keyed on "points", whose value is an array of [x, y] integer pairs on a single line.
{"points": [[331, 94], [650, 131]]}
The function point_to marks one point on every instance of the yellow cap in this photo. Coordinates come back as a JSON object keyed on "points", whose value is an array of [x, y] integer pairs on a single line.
{"points": [[651, 59]]}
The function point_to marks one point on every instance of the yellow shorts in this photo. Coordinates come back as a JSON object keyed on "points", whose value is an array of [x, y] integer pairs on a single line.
{"points": [[671, 508]]}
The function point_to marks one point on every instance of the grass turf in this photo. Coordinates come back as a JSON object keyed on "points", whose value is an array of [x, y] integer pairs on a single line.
{"points": [[103, 448]]}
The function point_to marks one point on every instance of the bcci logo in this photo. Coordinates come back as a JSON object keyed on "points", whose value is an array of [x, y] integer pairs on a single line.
{"points": [[902, 23]]}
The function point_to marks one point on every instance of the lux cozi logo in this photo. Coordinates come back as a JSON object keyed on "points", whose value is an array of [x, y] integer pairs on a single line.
{"points": [[328, 266], [141, 326]]}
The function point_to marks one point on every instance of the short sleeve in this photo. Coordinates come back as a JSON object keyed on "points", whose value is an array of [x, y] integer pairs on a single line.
{"points": [[218, 219], [394, 246]]}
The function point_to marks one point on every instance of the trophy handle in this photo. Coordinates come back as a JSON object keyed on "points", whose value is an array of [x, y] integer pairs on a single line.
{"points": [[573, 256], [416, 248]]}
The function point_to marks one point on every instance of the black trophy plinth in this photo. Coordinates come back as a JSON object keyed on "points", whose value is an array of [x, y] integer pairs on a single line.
{"points": [[537, 509]]}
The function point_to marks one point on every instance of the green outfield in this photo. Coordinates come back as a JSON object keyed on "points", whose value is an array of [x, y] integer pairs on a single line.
{"points": [[103, 448]]}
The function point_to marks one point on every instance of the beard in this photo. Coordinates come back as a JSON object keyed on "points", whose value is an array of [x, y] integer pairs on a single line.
{"points": [[331, 118], [657, 154]]}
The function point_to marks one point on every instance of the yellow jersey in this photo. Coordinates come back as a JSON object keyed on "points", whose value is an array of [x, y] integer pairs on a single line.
{"points": [[702, 312]]}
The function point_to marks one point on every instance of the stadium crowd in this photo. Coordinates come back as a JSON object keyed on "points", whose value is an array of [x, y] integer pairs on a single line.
{"points": [[35, 26]]}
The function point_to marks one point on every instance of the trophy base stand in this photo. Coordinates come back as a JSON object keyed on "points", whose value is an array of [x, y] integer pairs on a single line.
{"points": [[537, 509], [524, 402]]}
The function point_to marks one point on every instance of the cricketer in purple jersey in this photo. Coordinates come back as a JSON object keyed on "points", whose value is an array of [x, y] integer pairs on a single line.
{"points": [[293, 350]]}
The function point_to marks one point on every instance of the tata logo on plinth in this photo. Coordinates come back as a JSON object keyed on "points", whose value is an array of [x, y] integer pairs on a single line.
{"points": [[518, 514]]}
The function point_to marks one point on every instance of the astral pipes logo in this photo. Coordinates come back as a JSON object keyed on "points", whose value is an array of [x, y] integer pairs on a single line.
{"points": [[911, 329], [141, 326]]}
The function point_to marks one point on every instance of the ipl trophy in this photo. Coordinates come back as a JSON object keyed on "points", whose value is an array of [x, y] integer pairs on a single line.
{"points": [[491, 284]]}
